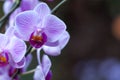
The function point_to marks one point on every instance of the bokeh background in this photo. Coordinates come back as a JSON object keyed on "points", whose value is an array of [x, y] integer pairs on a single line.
{"points": [[93, 52]]}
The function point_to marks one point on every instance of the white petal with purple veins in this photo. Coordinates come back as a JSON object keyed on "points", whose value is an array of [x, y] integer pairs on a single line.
{"points": [[26, 22], [54, 27], [53, 51], [39, 75], [64, 39], [20, 64], [17, 49], [10, 32], [43, 10], [46, 64], [3, 41]]}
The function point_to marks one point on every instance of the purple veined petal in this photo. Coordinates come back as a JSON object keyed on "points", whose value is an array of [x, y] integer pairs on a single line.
{"points": [[43, 10], [26, 22], [20, 64], [10, 32], [53, 51], [54, 28], [20, 36], [3, 41], [30, 4], [64, 39], [7, 6], [52, 44], [46, 64], [17, 49], [39, 75]]}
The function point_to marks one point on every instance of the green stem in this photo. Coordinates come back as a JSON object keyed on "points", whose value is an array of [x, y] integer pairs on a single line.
{"points": [[28, 72], [56, 7], [13, 76], [29, 50]]}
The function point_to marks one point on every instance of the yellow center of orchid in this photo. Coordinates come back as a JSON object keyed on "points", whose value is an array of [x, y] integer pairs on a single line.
{"points": [[3, 59], [37, 38]]}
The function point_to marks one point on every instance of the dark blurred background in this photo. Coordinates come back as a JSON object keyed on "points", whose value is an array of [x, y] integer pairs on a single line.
{"points": [[93, 52]]}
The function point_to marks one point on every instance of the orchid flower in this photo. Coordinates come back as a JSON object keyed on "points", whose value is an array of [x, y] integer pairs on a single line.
{"points": [[12, 51], [39, 26], [8, 71], [42, 71]]}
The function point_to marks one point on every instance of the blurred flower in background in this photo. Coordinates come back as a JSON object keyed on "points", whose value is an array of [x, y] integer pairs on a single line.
{"points": [[107, 69]]}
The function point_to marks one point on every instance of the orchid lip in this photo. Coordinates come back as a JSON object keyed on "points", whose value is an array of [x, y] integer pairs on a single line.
{"points": [[38, 38], [3, 58], [49, 75]]}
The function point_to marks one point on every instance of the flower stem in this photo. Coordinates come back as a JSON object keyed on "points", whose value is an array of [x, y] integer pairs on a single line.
{"points": [[56, 7], [13, 76], [29, 50], [28, 72]]}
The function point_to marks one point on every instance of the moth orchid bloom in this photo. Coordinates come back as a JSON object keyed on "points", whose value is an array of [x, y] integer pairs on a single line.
{"points": [[39, 26], [42, 71], [12, 51], [8, 71]]}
